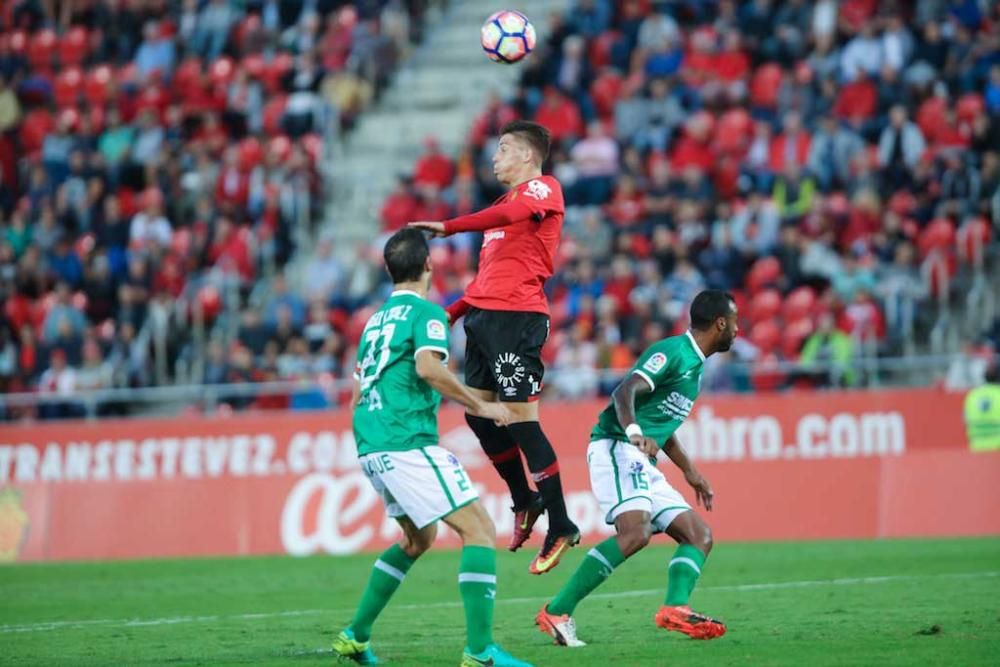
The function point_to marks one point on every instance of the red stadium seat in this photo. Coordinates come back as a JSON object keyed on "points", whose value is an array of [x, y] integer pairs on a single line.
{"points": [[254, 65], [798, 304], [272, 113], [250, 152], [765, 335], [18, 42], [34, 127], [969, 106], [275, 70], [222, 70], [96, 85], [312, 144], [939, 234], [931, 117], [765, 272], [41, 47], [73, 47], [600, 47], [765, 374], [281, 146], [68, 86], [764, 86], [972, 238], [187, 77], [793, 337], [765, 305], [605, 91], [732, 133]]}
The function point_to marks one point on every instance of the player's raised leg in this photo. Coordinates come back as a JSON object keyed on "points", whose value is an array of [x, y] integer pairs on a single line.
{"points": [[387, 574], [505, 455], [694, 542], [477, 582], [563, 533]]}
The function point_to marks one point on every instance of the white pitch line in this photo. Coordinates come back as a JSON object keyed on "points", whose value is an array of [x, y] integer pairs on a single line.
{"points": [[767, 586]]}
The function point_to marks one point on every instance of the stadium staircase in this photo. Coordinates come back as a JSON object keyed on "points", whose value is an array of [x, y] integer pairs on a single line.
{"points": [[438, 91]]}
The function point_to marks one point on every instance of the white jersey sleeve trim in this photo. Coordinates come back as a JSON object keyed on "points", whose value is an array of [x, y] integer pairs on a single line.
{"points": [[436, 348], [649, 380]]}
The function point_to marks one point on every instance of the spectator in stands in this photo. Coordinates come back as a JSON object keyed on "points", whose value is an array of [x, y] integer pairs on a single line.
{"points": [[58, 380], [575, 367], [827, 355], [832, 147], [433, 168], [10, 107], [596, 160], [900, 146], [62, 314], [150, 228], [156, 54], [212, 28]]}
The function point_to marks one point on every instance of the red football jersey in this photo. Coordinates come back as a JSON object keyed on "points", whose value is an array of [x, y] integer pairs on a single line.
{"points": [[521, 235]]}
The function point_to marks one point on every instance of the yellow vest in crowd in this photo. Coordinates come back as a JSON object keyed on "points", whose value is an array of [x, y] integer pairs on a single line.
{"points": [[982, 418]]}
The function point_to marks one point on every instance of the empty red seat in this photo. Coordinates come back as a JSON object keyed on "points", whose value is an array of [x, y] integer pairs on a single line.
{"points": [[969, 106], [765, 272], [96, 85], [605, 91], [732, 133], [272, 113], [222, 70], [765, 305], [765, 335], [793, 337], [18, 42], [73, 47], [972, 238], [939, 234], [41, 46], [798, 304], [34, 127], [931, 117], [275, 70], [765, 84], [68, 86]]}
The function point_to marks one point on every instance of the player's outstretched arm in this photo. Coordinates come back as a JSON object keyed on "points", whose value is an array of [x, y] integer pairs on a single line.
{"points": [[624, 399], [702, 489], [500, 215], [436, 374]]}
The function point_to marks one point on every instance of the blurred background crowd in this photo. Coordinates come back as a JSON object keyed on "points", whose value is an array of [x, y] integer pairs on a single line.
{"points": [[836, 165]]}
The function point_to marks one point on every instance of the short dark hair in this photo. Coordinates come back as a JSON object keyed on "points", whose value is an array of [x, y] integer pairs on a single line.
{"points": [[537, 136], [405, 255], [709, 306]]}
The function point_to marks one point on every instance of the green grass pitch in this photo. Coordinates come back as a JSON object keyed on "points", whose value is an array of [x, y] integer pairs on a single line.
{"points": [[895, 602]]}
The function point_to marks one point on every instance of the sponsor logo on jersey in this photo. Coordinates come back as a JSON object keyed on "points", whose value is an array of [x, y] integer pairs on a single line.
{"points": [[489, 237], [436, 330], [509, 370], [655, 363], [537, 190], [676, 406]]}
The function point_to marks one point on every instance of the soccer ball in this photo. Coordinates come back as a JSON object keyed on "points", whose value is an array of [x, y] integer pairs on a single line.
{"points": [[507, 37]]}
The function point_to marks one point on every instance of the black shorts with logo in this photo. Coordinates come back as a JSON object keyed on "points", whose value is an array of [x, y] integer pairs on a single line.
{"points": [[503, 352]]}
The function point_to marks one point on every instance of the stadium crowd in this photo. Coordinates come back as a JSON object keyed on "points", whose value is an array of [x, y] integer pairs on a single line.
{"points": [[158, 163], [834, 164]]}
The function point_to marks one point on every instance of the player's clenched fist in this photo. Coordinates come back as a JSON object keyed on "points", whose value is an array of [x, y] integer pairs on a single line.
{"points": [[646, 445], [498, 412]]}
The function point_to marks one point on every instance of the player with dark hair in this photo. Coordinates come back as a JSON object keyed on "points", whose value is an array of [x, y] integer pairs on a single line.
{"points": [[507, 323], [645, 411], [398, 383]]}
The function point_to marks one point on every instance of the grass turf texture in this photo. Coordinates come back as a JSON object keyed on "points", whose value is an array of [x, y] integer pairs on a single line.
{"points": [[898, 602]]}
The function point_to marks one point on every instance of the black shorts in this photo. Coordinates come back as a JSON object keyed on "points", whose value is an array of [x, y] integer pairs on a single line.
{"points": [[503, 352]]}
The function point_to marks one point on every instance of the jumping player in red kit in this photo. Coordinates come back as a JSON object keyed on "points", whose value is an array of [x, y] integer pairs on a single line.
{"points": [[507, 323]]}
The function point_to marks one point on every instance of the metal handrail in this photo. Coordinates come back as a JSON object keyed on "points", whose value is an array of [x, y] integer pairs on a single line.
{"points": [[213, 393]]}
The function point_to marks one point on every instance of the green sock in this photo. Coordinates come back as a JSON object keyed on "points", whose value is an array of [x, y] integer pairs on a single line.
{"points": [[597, 566], [387, 575], [683, 572], [477, 582]]}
